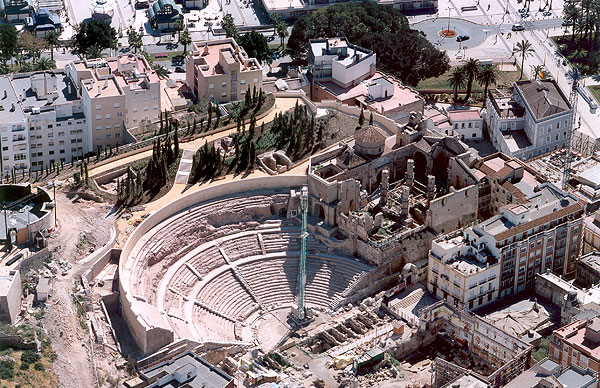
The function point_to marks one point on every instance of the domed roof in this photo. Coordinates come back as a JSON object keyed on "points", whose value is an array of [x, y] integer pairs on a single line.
{"points": [[369, 135]]}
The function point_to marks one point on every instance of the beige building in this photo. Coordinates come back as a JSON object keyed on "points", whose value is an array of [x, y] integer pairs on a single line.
{"points": [[221, 70], [591, 234], [141, 87], [103, 101], [10, 295]]}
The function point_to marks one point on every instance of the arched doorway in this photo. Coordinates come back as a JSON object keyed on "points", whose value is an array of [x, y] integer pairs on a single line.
{"points": [[319, 210], [440, 168], [420, 167]]}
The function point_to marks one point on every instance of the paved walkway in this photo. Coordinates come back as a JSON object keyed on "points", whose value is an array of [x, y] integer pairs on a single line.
{"points": [[185, 166]]}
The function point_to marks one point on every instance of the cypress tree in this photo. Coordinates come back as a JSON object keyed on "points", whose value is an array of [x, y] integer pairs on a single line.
{"points": [[361, 118], [371, 119], [176, 143]]}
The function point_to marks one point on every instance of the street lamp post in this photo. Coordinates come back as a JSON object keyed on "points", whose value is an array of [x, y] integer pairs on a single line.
{"points": [[449, 8]]}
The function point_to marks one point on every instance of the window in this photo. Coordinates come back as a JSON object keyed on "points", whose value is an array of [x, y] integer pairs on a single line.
{"points": [[107, 116], [108, 126], [98, 107], [98, 117], [119, 114], [117, 134], [470, 125], [556, 138], [108, 136], [51, 152], [224, 84], [255, 80], [557, 125], [116, 105], [98, 137], [223, 94], [243, 82], [118, 125], [211, 86], [61, 151]]}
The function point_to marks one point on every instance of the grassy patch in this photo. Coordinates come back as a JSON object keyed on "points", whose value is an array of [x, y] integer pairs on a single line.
{"points": [[506, 78], [595, 90], [541, 351]]}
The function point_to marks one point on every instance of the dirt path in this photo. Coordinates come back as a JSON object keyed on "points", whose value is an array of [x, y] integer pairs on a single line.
{"points": [[281, 105], [70, 342]]}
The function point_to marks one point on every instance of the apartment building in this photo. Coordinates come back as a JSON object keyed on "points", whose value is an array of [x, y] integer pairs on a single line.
{"points": [[530, 120], [221, 70], [549, 374], [588, 270], [14, 142], [461, 272], [56, 123], [103, 101], [141, 87], [577, 343], [591, 235], [530, 226], [347, 73]]}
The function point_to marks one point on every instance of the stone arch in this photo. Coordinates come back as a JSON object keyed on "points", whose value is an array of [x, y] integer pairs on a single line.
{"points": [[409, 273], [420, 167], [319, 210], [440, 167]]}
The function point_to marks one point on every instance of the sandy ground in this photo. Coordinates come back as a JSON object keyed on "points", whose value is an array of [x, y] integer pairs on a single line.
{"points": [[70, 342]]}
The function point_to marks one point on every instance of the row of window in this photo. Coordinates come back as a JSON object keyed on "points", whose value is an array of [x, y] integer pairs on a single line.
{"points": [[224, 84]]}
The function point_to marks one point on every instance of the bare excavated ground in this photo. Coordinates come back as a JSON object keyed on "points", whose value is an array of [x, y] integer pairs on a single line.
{"points": [[83, 225]]}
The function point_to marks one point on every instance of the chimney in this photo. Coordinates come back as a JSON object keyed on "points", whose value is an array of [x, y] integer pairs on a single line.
{"points": [[205, 49], [69, 87], [99, 90]]}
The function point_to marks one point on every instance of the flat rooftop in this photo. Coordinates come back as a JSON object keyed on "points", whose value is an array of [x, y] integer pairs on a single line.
{"points": [[10, 110], [22, 85], [272, 5], [208, 55], [516, 140], [131, 79], [466, 114], [7, 276], [207, 375]]}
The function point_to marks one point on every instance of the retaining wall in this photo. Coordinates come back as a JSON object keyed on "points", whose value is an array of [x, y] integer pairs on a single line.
{"points": [[148, 326]]}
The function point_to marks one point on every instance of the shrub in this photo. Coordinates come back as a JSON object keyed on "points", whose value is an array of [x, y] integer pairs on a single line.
{"points": [[39, 366], [30, 357], [7, 369]]}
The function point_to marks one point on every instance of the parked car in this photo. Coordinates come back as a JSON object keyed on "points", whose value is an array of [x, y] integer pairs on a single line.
{"points": [[142, 3], [462, 38], [518, 27], [179, 69]]}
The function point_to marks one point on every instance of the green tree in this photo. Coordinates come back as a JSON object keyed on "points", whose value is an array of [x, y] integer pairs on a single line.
{"points": [[160, 70], [134, 39], [256, 46], [488, 75], [228, 25], [93, 32], [53, 40], [457, 80], [283, 33], [93, 52], [537, 70], [275, 21], [44, 64], [8, 41], [401, 52], [185, 39], [179, 27], [361, 118], [471, 70], [524, 50]]}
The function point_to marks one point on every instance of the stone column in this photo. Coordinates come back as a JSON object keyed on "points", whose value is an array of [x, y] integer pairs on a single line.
{"points": [[430, 187], [410, 173], [404, 201], [384, 186]]}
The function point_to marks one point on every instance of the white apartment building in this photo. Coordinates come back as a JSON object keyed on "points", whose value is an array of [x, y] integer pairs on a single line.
{"points": [[461, 272], [531, 120], [56, 124], [334, 59], [13, 129], [467, 124]]}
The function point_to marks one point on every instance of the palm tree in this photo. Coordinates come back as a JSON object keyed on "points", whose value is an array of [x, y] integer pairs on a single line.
{"points": [[93, 52], [471, 69], [537, 70], [53, 39], [134, 39], [160, 70], [179, 27], [185, 39], [488, 75], [457, 80], [523, 48], [44, 64], [282, 31]]}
